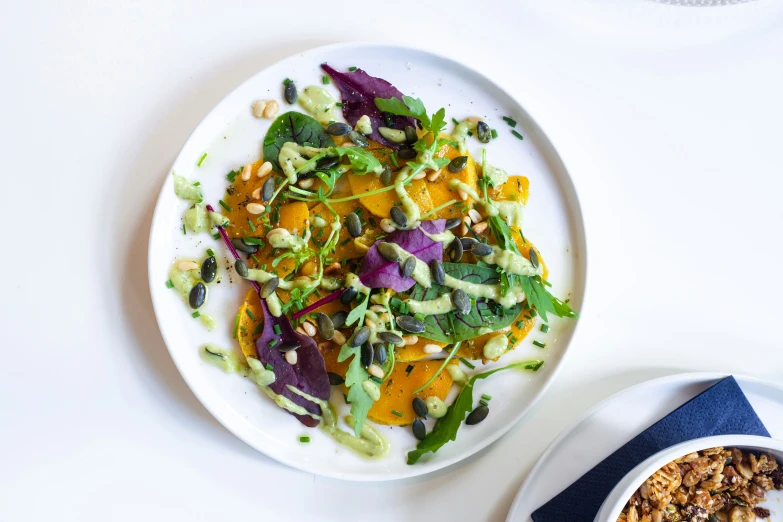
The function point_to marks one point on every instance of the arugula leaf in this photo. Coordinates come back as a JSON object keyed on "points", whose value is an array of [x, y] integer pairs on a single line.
{"points": [[446, 427], [539, 298], [362, 161], [438, 122], [502, 233], [357, 314], [297, 127], [360, 400], [412, 107], [441, 162]]}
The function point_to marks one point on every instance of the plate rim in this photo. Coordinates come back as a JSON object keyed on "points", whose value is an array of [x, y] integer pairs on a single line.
{"points": [[576, 216], [565, 432]]}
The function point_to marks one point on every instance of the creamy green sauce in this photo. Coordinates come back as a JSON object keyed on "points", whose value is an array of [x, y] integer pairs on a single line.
{"points": [[495, 346], [436, 408], [460, 134], [286, 240], [293, 156], [457, 375], [496, 175], [364, 125], [445, 237], [183, 282], [319, 103], [509, 211], [395, 135], [218, 219], [439, 305], [227, 360], [409, 206], [184, 189], [512, 262], [197, 218], [371, 388]]}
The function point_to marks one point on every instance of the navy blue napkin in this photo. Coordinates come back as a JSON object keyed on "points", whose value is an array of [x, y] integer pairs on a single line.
{"points": [[721, 410]]}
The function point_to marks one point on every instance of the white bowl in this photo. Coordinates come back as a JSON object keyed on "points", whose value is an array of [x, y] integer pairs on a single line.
{"points": [[615, 502]]}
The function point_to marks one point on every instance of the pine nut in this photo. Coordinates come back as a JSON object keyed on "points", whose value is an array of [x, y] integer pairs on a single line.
{"points": [[334, 267], [291, 357], [434, 176], [387, 225], [465, 225], [432, 348], [256, 193], [420, 175], [246, 171], [306, 183], [474, 215], [300, 330], [264, 169], [274, 231], [309, 328], [255, 208], [478, 228], [375, 371], [338, 337], [410, 339], [270, 111], [187, 265], [370, 324], [258, 108], [383, 318], [462, 195]]}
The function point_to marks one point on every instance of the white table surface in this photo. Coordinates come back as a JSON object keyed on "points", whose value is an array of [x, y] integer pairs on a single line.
{"points": [[670, 120]]}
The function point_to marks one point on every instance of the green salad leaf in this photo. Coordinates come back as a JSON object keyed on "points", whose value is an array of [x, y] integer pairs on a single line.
{"points": [[446, 427], [297, 127], [539, 298], [360, 400], [414, 108], [362, 161]]}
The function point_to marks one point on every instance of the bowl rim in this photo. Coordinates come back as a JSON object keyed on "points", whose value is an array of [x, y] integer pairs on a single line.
{"points": [[615, 501]]}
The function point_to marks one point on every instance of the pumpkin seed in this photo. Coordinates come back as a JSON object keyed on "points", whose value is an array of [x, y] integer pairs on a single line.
{"points": [[358, 138], [393, 338], [360, 337], [420, 407], [268, 189], [408, 267], [386, 175], [406, 153], [477, 415], [338, 318], [460, 300], [455, 251], [269, 287], [399, 217], [380, 353], [467, 243], [327, 162], [335, 379], [338, 128], [410, 324], [241, 268], [419, 430], [410, 134], [388, 252], [481, 249], [198, 294], [367, 354], [533, 258], [209, 269], [325, 326], [483, 132], [348, 295], [452, 222], [353, 224], [290, 93], [287, 347], [457, 164], [244, 247], [438, 273], [388, 119]]}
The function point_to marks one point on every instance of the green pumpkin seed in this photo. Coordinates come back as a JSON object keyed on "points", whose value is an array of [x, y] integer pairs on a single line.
{"points": [[481, 249], [209, 269], [335, 379], [419, 429], [460, 300], [268, 190], [483, 132], [360, 336], [477, 415], [452, 222], [457, 164], [367, 354], [411, 135], [388, 252], [390, 337], [338, 319], [353, 224], [420, 407], [358, 138], [269, 287], [244, 247], [533, 258], [406, 153], [289, 93], [410, 324], [455, 251], [438, 273], [287, 347], [197, 296], [408, 267], [241, 268], [338, 128], [348, 295], [399, 217], [325, 326], [386, 175]]}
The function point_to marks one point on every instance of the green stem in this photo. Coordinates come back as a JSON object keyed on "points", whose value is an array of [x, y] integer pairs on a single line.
{"points": [[442, 366], [438, 209]]}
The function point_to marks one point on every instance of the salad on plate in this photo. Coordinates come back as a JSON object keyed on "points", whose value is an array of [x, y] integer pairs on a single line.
{"points": [[385, 262]]}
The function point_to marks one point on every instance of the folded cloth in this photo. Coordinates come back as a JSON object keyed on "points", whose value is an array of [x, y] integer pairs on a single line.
{"points": [[720, 410]]}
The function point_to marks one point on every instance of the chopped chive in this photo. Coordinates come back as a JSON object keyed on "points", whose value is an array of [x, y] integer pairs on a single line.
{"points": [[225, 205], [494, 134], [277, 329], [201, 159], [518, 135], [539, 344], [250, 314], [520, 324], [286, 81], [484, 403], [258, 329], [210, 252], [352, 69], [216, 236], [195, 315], [231, 176], [393, 158], [533, 312], [184, 232], [467, 363], [455, 121], [470, 133], [395, 412], [486, 397], [514, 340], [545, 328], [325, 79], [251, 225], [343, 243], [236, 326], [254, 258], [537, 366], [272, 343], [269, 367], [510, 121], [340, 104], [305, 440], [547, 283], [243, 329], [376, 380], [254, 241], [169, 284], [409, 369]]}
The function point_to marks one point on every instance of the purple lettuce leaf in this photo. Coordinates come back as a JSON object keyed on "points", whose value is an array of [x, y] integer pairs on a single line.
{"points": [[377, 272], [307, 375], [359, 90]]}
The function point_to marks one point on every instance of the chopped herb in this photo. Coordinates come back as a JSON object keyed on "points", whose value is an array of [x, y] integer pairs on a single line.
{"points": [[483, 403], [486, 397], [250, 314], [340, 104], [352, 69], [254, 241], [514, 340], [258, 329], [520, 324], [210, 252], [231, 176], [539, 344], [467, 363], [325, 79], [305, 440], [197, 184], [345, 242], [393, 158], [216, 236], [169, 284], [510, 121], [195, 315], [545, 328], [494, 134], [287, 81], [272, 343], [397, 413], [409, 369], [243, 329], [269, 367], [454, 120], [254, 258], [518, 135], [184, 232], [201, 160], [277, 329], [547, 283], [376, 380], [225, 205], [251, 225]]}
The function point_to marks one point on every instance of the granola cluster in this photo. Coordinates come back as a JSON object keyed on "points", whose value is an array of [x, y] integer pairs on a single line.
{"points": [[713, 485]]}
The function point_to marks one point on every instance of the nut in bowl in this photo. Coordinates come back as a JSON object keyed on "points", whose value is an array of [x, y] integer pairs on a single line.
{"points": [[727, 478]]}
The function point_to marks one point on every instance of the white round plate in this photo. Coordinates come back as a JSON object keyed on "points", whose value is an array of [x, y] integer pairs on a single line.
{"points": [[232, 136], [613, 422]]}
